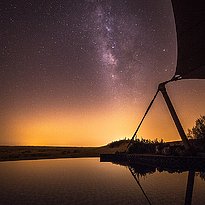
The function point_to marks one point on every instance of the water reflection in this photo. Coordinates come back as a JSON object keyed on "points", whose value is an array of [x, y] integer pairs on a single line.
{"points": [[138, 170], [88, 181], [190, 186], [134, 174]]}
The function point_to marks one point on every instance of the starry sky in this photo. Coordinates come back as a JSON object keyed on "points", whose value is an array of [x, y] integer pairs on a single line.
{"points": [[81, 73]]}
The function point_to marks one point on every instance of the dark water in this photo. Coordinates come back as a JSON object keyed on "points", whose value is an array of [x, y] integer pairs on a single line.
{"points": [[88, 181]]}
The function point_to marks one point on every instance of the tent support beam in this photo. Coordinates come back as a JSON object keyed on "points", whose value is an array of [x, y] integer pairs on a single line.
{"points": [[175, 118]]}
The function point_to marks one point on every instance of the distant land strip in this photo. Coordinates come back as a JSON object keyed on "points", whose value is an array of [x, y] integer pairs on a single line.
{"points": [[13, 153]]}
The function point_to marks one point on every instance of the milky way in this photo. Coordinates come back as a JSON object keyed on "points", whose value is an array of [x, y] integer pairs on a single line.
{"points": [[85, 46], [120, 43]]}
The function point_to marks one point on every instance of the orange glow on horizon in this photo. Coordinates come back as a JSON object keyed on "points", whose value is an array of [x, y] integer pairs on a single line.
{"points": [[71, 130], [98, 126]]}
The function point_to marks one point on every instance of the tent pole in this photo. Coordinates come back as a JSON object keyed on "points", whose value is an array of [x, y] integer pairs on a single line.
{"points": [[175, 118]]}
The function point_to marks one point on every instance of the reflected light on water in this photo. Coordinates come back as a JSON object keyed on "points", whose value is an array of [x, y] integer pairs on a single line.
{"points": [[87, 181]]}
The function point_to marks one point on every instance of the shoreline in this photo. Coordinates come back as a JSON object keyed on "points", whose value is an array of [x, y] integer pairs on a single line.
{"points": [[39, 158], [16, 153]]}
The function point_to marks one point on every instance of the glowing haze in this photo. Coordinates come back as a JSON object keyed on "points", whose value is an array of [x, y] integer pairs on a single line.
{"points": [[81, 73]]}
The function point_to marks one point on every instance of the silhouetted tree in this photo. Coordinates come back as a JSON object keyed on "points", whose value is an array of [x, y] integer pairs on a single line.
{"points": [[198, 131]]}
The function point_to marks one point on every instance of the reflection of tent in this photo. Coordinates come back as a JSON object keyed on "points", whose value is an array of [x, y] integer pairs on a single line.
{"points": [[134, 174], [190, 180], [190, 28]]}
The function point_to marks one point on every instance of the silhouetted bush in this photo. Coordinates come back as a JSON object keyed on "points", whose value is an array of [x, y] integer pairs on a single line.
{"points": [[144, 146]]}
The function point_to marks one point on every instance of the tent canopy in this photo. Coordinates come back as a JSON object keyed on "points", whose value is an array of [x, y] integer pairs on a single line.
{"points": [[190, 28]]}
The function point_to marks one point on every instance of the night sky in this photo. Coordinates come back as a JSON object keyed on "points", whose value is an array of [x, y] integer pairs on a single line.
{"points": [[83, 72]]}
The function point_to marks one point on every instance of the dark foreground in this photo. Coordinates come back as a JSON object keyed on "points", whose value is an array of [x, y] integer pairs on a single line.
{"points": [[82, 181], [13, 153], [162, 161]]}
